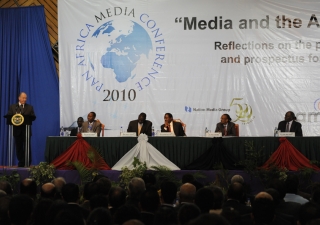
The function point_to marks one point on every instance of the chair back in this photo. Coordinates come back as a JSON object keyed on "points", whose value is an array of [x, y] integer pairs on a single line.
{"points": [[184, 126], [236, 126]]}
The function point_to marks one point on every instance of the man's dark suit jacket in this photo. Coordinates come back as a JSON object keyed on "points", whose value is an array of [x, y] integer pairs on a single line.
{"points": [[231, 130], [295, 127], [177, 128], [145, 129], [242, 209], [74, 132], [26, 111]]}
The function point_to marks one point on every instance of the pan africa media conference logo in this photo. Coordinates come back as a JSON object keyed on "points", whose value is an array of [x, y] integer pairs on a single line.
{"points": [[125, 46]]}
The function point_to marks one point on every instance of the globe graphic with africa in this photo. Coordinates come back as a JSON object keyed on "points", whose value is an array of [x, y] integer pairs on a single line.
{"points": [[123, 47]]}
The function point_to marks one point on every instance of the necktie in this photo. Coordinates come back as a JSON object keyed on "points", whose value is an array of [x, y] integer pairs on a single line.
{"points": [[287, 127], [225, 131], [169, 129]]}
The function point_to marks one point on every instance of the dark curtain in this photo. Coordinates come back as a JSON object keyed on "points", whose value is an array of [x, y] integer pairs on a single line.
{"points": [[26, 65]]}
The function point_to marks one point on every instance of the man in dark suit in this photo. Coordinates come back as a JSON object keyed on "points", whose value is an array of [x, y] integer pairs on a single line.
{"points": [[19, 132], [91, 125], [78, 129], [141, 125], [172, 126], [226, 127], [290, 125]]}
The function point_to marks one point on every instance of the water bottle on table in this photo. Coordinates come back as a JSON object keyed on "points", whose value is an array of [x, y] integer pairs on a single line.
{"points": [[62, 132]]}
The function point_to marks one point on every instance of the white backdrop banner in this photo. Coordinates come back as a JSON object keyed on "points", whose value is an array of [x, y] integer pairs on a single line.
{"points": [[254, 60]]}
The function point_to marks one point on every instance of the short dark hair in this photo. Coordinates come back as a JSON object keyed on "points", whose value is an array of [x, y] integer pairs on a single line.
{"points": [[169, 114], [80, 118], [99, 216], [188, 212], [94, 114], [70, 192], [227, 115], [204, 199], [168, 192], [20, 209], [150, 200], [143, 114], [309, 211], [117, 197]]}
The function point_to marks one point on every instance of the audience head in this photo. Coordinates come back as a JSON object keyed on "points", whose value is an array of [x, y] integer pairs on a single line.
{"points": [[204, 199], [48, 190], [237, 178], [275, 195], [4, 207], [235, 191], [136, 187], [70, 193], [99, 216], [209, 219], [232, 215], [187, 178], [6, 187], [68, 217], [149, 200], [104, 185], [29, 187], [263, 208], [98, 201], [39, 215], [218, 197], [279, 186], [165, 216], [188, 212], [292, 184], [168, 192], [149, 179], [59, 182], [90, 189], [20, 209], [187, 193], [308, 212], [125, 213], [133, 222], [117, 197]]}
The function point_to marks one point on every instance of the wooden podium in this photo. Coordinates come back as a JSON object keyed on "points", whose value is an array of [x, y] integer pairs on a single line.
{"points": [[24, 127]]}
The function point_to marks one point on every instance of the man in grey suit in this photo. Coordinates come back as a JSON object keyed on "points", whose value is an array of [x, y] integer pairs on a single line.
{"points": [[226, 127], [91, 125], [141, 125]]}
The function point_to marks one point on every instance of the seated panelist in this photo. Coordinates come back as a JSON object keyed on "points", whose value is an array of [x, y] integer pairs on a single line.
{"points": [[290, 125], [172, 126], [91, 125], [226, 127], [78, 129], [141, 125]]}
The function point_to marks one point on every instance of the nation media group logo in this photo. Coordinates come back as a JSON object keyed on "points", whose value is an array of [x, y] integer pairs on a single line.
{"points": [[242, 110], [117, 46]]}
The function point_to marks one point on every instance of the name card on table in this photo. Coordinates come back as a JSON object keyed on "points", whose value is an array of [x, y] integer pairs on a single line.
{"points": [[128, 134], [165, 134], [215, 134], [89, 134], [287, 134]]}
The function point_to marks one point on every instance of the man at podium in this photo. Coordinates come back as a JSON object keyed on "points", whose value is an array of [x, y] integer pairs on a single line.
{"points": [[19, 132]]}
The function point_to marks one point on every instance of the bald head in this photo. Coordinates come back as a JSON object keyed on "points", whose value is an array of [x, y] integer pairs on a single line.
{"points": [[48, 190], [237, 178], [22, 98], [265, 195], [59, 182], [187, 193]]}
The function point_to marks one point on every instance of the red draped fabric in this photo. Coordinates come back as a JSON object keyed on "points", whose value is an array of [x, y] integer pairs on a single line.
{"points": [[287, 156], [77, 152]]}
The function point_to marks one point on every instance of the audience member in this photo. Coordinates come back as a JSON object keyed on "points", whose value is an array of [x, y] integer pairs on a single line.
{"points": [[20, 209], [125, 213], [168, 193], [187, 193], [6, 187], [149, 179], [232, 216], [99, 216], [234, 195], [149, 204], [48, 190], [40, 211], [204, 199], [188, 212], [59, 182], [209, 219], [4, 207], [98, 201], [187, 178], [56, 207], [218, 199], [29, 187], [308, 212], [292, 184], [104, 184], [165, 216], [136, 188], [90, 189], [117, 198]]}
